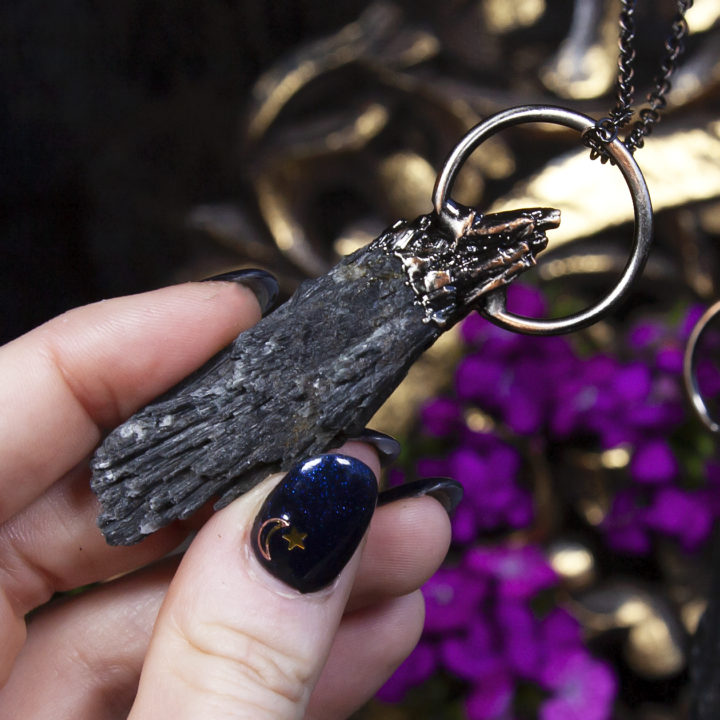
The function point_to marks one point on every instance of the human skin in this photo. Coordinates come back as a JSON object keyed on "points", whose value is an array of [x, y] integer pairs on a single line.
{"points": [[264, 650]]}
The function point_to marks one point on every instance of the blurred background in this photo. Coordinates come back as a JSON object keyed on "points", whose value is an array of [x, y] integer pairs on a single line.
{"points": [[147, 143]]}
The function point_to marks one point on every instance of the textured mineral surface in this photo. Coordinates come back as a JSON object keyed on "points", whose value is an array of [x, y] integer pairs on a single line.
{"points": [[310, 374]]}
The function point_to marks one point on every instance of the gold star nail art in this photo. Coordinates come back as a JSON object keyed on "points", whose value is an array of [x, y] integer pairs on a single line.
{"points": [[295, 538]]}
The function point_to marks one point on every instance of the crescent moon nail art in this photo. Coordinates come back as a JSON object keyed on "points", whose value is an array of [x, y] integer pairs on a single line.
{"points": [[263, 543], [312, 522]]}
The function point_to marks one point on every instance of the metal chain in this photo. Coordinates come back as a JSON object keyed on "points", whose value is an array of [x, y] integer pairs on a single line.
{"points": [[607, 128]]}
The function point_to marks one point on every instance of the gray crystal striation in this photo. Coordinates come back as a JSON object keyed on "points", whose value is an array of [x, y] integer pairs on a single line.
{"points": [[312, 373]]}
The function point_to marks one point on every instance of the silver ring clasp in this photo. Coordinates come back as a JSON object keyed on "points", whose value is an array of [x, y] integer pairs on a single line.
{"points": [[495, 302], [693, 353]]}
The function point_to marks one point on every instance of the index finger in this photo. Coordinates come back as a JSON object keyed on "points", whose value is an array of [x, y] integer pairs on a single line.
{"points": [[65, 382]]}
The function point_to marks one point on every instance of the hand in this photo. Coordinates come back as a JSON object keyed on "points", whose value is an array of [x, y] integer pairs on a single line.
{"points": [[213, 635]]}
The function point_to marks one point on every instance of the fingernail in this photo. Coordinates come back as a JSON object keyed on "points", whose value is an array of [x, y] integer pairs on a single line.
{"points": [[311, 523], [388, 448], [447, 492], [262, 283]]}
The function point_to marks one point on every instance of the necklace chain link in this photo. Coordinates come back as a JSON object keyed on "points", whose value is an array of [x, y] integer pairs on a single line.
{"points": [[607, 128]]}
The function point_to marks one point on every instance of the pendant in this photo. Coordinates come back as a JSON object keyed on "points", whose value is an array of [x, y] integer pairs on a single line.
{"points": [[312, 373], [494, 307]]}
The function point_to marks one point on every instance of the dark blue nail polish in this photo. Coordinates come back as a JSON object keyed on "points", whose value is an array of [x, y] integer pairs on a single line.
{"points": [[311, 524], [447, 492], [262, 283], [388, 448]]}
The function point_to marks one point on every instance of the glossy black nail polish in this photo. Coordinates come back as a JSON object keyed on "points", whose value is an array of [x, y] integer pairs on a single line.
{"points": [[312, 522], [447, 492], [262, 283], [388, 448]]}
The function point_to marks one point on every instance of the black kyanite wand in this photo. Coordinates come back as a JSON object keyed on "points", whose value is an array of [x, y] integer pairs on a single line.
{"points": [[310, 374]]}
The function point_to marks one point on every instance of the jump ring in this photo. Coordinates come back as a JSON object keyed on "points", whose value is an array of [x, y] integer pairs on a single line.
{"points": [[604, 130], [494, 308]]}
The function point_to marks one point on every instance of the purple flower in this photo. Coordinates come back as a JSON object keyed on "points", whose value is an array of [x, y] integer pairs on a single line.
{"points": [[584, 688], [585, 399], [481, 628], [519, 629], [415, 670], [517, 572], [490, 491], [503, 462], [487, 468], [646, 334], [474, 655], [682, 515], [441, 417], [452, 599], [685, 516], [560, 629], [511, 375], [521, 512], [480, 622], [708, 376], [692, 316], [525, 412], [670, 359], [464, 525], [469, 468], [475, 330], [654, 462], [483, 380], [660, 415], [491, 698], [619, 403], [524, 300], [632, 382]]}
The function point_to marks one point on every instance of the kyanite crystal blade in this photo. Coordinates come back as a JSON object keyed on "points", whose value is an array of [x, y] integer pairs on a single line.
{"points": [[310, 374]]}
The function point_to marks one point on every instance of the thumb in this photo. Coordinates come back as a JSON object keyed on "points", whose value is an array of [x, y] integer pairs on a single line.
{"points": [[250, 617]]}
